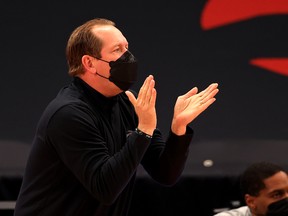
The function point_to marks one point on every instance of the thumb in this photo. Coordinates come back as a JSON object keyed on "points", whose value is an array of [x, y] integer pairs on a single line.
{"points": [[190, 93], [131, 97]]}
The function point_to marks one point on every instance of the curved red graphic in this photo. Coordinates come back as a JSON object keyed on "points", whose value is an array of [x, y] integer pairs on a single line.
{"points": [[217, 13], [277, 65]]}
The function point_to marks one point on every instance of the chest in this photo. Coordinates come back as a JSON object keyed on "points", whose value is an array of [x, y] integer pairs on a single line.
{"points": [[114, 123]]}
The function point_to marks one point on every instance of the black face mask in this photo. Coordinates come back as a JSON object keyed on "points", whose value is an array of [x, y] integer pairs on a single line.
{"points": [[123, 72], [279, 208]]}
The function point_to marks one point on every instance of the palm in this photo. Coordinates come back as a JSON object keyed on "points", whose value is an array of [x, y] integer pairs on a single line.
{"points": [[192, 104]]}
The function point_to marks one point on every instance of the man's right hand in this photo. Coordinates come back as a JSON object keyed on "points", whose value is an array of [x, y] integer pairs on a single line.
{"points": [[145, 105]]}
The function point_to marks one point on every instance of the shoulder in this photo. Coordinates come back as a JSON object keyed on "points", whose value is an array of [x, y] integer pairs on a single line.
{"points": [[241, 211], [66, 105]]}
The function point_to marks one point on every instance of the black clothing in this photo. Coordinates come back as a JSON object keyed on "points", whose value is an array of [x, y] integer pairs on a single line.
{"points": [[86, 152]]}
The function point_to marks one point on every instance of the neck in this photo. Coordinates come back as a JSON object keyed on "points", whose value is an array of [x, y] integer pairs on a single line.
{"points": [[101, 84]]}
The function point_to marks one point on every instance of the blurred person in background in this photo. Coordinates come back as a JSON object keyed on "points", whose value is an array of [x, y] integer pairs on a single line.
{"points": [[265, 189]]}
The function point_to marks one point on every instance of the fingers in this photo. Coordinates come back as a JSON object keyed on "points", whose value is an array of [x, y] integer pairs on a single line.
{"points": [[194, 91], [153, 97], [208, 97], [145, 106], [203, 96], [207, 103], [147, 93], [150, 91], [131, 97], [190, 93], [206, 91], [143, 89], [207, 94]]}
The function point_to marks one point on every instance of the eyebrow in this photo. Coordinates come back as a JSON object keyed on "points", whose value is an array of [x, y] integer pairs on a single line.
{"points": [[276, 191], [118, 45]]}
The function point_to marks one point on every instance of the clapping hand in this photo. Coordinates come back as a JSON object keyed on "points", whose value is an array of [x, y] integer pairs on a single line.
{"points": [[190, 105]]}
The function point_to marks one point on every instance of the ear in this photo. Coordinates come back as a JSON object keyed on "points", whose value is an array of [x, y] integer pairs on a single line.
{"points": [[250, 201], [88, 64]]}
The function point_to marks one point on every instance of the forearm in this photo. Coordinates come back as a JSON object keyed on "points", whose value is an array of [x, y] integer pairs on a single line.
{"points": [[166, 164], [107, 176], [100, 163]]}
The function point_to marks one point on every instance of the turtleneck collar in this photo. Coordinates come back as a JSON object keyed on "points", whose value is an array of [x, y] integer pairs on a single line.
{"points": [[94, 96]]}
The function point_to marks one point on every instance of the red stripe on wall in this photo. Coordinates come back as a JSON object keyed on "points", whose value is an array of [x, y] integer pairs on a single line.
{"points": [[217, 13], [276, 65]]}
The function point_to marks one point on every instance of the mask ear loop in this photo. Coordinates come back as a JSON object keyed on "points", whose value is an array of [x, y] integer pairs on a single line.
{"points": [[103, 61], [102, 76], [109, 62]]}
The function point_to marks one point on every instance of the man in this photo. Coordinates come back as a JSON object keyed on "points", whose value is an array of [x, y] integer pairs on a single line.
{"points": [[265, 189], [94, 134]]}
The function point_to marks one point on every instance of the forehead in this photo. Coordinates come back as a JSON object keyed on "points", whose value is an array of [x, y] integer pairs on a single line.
{"points": [[110, 36], [276, 182]]}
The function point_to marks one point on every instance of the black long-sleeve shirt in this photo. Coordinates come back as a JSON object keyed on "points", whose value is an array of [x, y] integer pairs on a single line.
{"points": [[85, 154]]}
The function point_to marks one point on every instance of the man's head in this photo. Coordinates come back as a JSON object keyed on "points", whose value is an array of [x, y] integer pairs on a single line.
{"points": [[83, 41], [263, 183], [97, 52]]}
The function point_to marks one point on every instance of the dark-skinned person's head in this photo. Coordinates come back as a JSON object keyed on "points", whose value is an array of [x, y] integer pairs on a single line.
{"points": [[265, 189]]}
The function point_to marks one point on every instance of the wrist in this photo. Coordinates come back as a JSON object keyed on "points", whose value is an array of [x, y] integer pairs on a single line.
{"points": [[179, 131], [146, 129], [141, 133]]}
